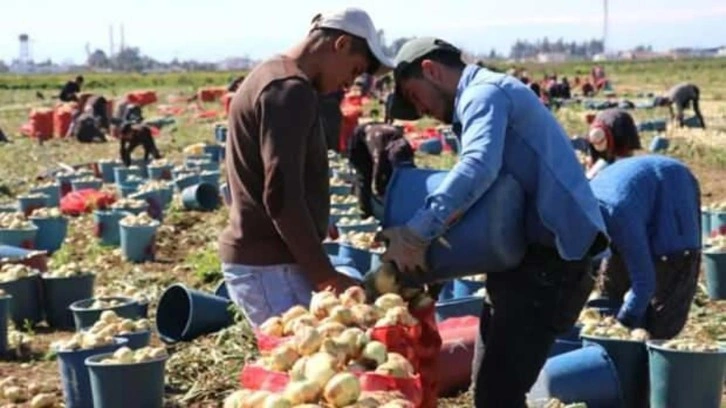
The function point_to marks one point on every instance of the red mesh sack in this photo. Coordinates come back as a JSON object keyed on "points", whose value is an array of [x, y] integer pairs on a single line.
{"points": [[266, 343], [85, 201], [427, 351], [401, 340], [257, 378]]}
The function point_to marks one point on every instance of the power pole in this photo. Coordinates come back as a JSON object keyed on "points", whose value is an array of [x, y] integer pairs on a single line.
{"points": [[605, 25]]}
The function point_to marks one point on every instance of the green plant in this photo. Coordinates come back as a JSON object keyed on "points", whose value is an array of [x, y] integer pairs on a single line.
{"points": [[205, 264]]}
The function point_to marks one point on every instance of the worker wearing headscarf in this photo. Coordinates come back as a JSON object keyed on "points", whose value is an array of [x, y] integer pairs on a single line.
{"points": [[612, 136]]}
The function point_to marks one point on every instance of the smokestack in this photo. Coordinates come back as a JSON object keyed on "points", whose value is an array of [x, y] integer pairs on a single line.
{"points": [[110, 40], [122, 38]]}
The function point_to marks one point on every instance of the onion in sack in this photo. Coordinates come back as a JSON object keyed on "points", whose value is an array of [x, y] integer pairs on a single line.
{"points": [[331, 329], [343, 389], [272, 327], [375, 353], [302, 392], [365, 315], [276, 401], [308, 341], [320, 368], [283, 357], [292, 313], [297, 323], [322, 302], [354, 295], [236, 399], [389, 301], [342, 315]]}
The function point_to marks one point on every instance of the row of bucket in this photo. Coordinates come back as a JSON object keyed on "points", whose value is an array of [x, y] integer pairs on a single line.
{"points": [[713, 223]]}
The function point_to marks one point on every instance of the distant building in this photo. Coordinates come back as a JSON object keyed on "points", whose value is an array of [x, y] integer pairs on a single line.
{"points": [[547, 57], [721, 52], [236, 64]]}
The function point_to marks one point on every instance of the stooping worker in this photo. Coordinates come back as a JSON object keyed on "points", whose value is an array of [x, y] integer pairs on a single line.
{"points": [[613, 135], [682, 95], [651, 205], [86, 128], [70, 91], [502, 127], [131, 136], [277, 166], [376, 150], [97, 106]]}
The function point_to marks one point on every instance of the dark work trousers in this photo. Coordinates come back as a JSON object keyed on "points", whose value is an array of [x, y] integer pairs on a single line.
{"points": [[531, 304]]}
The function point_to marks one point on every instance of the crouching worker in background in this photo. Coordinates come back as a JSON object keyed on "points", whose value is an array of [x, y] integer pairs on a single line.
{"points": [[651, 205], [133, 135], [376, 150], [86, 128], [612, 136]]}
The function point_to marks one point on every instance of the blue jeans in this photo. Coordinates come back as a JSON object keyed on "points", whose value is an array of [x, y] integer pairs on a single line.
{"points": [[266, 291]]}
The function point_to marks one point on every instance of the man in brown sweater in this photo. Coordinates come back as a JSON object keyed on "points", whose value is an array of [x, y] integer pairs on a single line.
{"points": [[271, 250]]}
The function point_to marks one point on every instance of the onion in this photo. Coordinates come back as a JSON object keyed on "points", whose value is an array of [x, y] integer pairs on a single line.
{"points": [[277, 401], [237, 398], [342, 315], [308, 341], [331, 329], [389, 300], [297, 372], [375, 353], [343, 389], [365, 315], [320, 368], [283, 357], [301, 392], [305, 320], [354, 295], [292, 313], [272, 327]]}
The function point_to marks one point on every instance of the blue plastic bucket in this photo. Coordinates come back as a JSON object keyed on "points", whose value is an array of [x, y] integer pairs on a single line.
{"points": [[184, 314], [211, 177], [24, 238], [26, 205], [605, 306], [718, 221], [368, 227], [692, 122], [138, 242], [75, 381], [584, 375], [27, 304], [196, 157], [715, 266], [222, 290], [337, 260], [331, 248], [126, 385], [467, 306], [78, 185], [53, 192], [134, 211], [155, 203], [464, 287], [631, 362], [51, 233], [202, 197], [447, 291], [220, 133], [60, 293], [705, 223], [160, 172], [106, 168], [84, 318], [142, 165], [5, 302], [431, 146], [343, 190], [65, 182], [122, 173], [489, 237], [136, 340], [8, 208], [376, 260], [128, 188], [207, 166], [683, 379], [655, 125], [213, 150], [361, 257], [658, 144], [107, 226], [186, 181]]}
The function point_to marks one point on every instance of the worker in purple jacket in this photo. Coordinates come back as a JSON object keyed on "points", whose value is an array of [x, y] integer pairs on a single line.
{"points": [[651, 205]]}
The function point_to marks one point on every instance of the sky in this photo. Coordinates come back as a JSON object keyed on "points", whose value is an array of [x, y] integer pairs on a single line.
{"points": [[216, 29]]}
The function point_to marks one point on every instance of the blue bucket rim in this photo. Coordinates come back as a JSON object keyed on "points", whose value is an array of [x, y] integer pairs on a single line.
{"points": [[116, 342], [188, 322], [33, 228], [658, 345], [464, 299], [609, 340], [610, 363], [155, 224], [57, 278], [61, 217], [91, 361], [127, 302]]}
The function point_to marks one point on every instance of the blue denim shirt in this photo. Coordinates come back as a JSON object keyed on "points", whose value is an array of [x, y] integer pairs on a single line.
{"points": [[505, 127]]}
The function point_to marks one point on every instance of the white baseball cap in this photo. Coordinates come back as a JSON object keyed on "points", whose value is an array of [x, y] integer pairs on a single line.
{"points": [[356, 22]]}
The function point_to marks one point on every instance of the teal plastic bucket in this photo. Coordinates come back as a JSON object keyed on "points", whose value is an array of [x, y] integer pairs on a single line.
{"points": [[705, 224], [201, 197], [356, 228], [53, 192], [160, 172], [692, 122], [465, 287], [106, 168], [75, 380], [65, 182], [84, 318], [142, 165], [51, 233], [361, 257], [605, 306], [631, 363], [186, 181], [220, 133], [683, 379], [122, 173], [27, 304], [342, 190], [138, 243], [21, 238], [215, 151], [155, 203], [584, 375], [184, 314], [207, 166], [659, 144], [211, 177], [718, 222], [5, 303], [134, 211], [136, 340], [83, 185], [489, 237], [60, 293], [331, 248], [128, 189], [196, 157], [107, 227], [8, 208], [431, 146], [27, 205], [466, 306], [126, 385], [343, 206], [221, 290], [715, 265]]}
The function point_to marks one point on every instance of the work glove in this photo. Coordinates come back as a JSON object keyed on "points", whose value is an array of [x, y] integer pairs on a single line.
{"points": [[405, 249]]}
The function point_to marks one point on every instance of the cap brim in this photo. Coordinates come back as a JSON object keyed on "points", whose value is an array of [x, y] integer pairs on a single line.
{"points": [[385, 63], [401, 108]]}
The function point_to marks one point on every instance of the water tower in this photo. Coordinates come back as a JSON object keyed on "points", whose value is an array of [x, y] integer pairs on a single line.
{"points": [[24, 56]]}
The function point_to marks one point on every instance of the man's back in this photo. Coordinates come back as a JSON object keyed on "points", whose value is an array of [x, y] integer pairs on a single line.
{"points": [[683, 93], [263, 106]]}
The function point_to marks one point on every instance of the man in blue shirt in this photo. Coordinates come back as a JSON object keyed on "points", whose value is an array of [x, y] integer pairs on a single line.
{"points": [[503, 127], [651, 206]]}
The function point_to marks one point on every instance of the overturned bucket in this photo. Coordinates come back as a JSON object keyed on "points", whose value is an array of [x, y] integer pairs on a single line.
{"points": [[211, 177], [631, 362], [60, 293], [184, 314], [584, 375], [51, 233], [186, 180], [138, 242], [203, 197]]}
